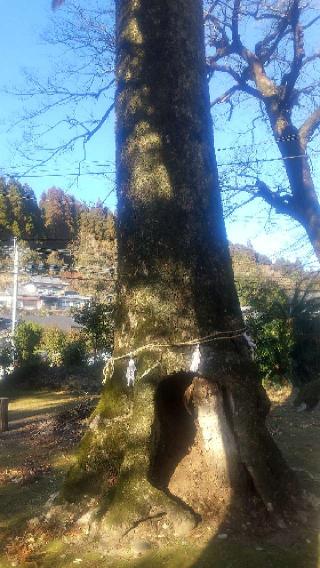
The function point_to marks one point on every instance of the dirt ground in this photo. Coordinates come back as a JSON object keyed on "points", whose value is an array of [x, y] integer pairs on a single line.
{"points": [[45, 428]]}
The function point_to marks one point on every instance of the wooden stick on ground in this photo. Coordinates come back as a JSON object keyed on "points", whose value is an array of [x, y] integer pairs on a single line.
{"points": [[4, 414]]}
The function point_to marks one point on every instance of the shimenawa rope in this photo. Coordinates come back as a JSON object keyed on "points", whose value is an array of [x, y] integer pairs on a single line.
{"points": [[217, 335]]}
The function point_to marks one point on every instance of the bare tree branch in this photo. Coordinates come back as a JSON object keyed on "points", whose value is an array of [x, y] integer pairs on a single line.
{"points": [[225, 97], [85, 137], [241, 80], [52, 90], [237, 206], [265, 49], [236, 42], [308, 128], [289, 79], [311, 23], [280, 70], [311, 58], [277, 201], [225, 69], [73, 103]]}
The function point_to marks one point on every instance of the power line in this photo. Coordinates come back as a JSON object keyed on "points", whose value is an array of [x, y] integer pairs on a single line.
{"points": [[289, 138], [16, 175], [35, 176], [48, 173], [244, 266], [263, 160]]}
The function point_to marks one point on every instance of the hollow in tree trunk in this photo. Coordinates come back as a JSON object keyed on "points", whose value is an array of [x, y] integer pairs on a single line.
{"points": [[180, 444]]}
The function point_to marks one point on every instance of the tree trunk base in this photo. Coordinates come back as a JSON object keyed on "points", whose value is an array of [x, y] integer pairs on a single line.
{"points": [[184, 449], [140, 506], [210, 475]]}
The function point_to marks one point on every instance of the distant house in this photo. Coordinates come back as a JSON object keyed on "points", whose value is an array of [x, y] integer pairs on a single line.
{"points": [[44, 292], [73, 301], [64, 302], [5, 299], [51, 302], [5, 324], [29, 303], [29, 289], [47, 285]]}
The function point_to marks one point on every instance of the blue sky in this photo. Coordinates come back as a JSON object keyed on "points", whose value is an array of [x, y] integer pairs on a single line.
{"points": [[21, 26], [24, 50]]}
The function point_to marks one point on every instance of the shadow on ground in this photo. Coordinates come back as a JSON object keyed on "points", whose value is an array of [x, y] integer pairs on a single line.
{"points": [[33, 460], [297, 435]]}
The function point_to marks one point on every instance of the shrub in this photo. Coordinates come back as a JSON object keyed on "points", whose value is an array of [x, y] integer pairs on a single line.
{"points": [[285, 326], [29, 373], [53, 343], [75, 352], [64, 349], [27, 340], [97, 320], [6, 356], [274, 343]]}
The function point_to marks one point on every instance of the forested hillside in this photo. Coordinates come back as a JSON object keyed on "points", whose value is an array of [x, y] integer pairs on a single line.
{"points": [[56, 219], [62, 234], [20, 215], [58, 234]]}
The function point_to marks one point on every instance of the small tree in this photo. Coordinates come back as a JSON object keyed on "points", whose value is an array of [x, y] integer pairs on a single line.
{"points": [[97, 320], [26, 340], [64, 349], [54, 343]]}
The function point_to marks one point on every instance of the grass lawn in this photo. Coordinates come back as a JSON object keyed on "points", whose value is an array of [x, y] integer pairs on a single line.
{"points": [[34, 455]]}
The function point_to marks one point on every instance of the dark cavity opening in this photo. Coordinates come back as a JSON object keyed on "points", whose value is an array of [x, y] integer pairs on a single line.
{"points": [[173, 430]]}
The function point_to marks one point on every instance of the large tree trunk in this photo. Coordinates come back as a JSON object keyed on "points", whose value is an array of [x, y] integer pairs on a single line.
{"points": [[175, 286]]}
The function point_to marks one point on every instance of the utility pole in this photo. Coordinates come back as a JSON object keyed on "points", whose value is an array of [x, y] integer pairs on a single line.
{"points": [[15, 285]]}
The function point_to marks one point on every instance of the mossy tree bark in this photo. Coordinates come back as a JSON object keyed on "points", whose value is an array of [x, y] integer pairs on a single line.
{"points": [[175, 285]]}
